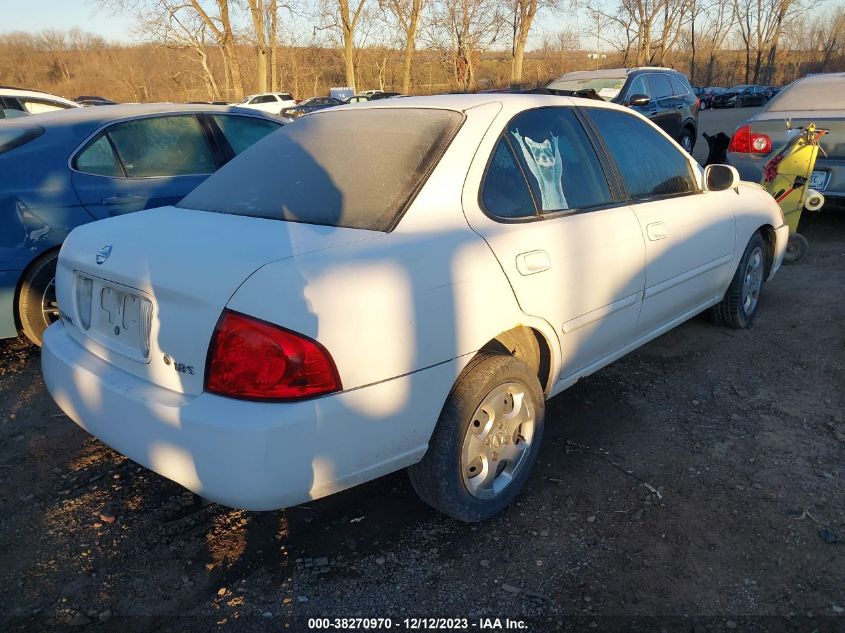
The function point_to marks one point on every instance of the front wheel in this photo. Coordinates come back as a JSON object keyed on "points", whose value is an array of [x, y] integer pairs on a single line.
{"points": [[739, 305], [37, 305], [797, 248], [485, 442]]}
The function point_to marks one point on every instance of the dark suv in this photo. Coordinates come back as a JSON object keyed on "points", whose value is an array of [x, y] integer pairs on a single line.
{"points": [[661, 94]]}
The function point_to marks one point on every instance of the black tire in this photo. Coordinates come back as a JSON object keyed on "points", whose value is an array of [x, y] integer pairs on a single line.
{"points": [[735, 310], [37, 295], [797, 248], [687, 136], [438, 479]]}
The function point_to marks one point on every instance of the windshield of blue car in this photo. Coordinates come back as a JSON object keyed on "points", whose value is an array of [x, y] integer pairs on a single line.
{"points": [[356, 168], [13, 136], [607, 88]]}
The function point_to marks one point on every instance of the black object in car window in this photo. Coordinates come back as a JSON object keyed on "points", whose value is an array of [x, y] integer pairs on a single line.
{"points": [[558, 160], [355, 168], [504, 192], [660, 86], [650, 165]]}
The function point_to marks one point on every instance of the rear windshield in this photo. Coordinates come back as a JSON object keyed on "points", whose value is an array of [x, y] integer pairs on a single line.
{"points": [[15, 136], [819, 93], [355, 169], [608, 88]]}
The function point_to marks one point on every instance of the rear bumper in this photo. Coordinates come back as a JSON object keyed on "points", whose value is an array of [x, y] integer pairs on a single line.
{"points": [[257, 456]]}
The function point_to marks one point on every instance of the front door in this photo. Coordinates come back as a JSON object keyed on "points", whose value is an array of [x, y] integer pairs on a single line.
{"points": [[572, 251], [689, 236]]}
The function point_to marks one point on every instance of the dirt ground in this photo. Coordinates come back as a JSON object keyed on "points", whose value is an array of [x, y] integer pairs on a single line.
{"points": [[696, 485]]}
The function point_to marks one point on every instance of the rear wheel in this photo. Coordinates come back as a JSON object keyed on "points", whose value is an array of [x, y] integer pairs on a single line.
{"points": [[739, 306], [687, 140], [486, 440], [37, 305]]}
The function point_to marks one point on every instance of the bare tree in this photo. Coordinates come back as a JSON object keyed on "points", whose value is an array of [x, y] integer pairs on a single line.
{"points": [[258, 13], [407, 13], [343, 17], [463, 29], [524, 12]]}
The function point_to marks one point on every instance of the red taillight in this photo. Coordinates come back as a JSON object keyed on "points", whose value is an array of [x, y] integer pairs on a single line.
{"points": [[252, 359], [745, 141]]}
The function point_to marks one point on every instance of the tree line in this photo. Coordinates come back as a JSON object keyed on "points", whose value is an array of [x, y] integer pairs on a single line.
{"points": [[225, 49]]}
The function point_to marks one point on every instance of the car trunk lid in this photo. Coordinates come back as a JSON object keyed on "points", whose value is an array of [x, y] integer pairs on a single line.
{"points": [[774, 125], [156, 283]]}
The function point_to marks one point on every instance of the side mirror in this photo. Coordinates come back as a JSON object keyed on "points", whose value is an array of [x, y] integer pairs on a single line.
{"points": [[720, 177], [639, 100]]}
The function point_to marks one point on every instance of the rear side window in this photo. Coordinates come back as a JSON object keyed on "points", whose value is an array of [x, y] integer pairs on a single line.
{"points": [[355, 169], [678, 87], [558, 159], [99, 159], [163, 146], [504, 192], [660, 86], [12, 137], [244, 131], [37, 106], [650, 165]]}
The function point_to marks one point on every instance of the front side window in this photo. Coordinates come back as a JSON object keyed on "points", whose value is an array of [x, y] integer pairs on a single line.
{"points": [[244, 131], [558, 159], [505, 193], [660, 86], [639, 86], [650, 165], [163, 146]]}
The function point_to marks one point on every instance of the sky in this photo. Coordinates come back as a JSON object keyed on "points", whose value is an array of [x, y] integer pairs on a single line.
{"points": [[36, 15]]}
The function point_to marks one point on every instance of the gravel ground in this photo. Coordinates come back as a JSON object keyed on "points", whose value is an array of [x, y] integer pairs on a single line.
{"points": [[697, 484]]}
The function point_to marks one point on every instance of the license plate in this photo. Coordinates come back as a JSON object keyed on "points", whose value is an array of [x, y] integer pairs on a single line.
{"points": [[114, 315], [818, 180]]}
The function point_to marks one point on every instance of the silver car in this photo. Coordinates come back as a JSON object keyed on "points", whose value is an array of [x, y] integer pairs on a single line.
{"points": [[818, 99]]}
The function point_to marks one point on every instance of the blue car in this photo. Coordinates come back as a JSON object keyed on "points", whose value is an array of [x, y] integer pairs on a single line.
{"points": [[62, 169]]}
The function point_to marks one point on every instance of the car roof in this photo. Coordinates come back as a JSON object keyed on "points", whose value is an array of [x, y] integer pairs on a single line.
{"points": [[463, 102], [103, 114], [8, 91], [615, 72]]}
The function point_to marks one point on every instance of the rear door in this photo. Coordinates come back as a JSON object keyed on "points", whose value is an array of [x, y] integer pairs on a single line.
{"points": [[142, 163], [668, 116], [689, 235], [573, 251]]}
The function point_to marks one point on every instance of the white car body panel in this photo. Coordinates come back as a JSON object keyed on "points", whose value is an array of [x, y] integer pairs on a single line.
{"points": [[273, 107], [401, 313]]}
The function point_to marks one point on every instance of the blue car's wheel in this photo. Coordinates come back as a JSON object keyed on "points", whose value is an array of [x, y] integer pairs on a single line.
{"points": [[37, 305]]}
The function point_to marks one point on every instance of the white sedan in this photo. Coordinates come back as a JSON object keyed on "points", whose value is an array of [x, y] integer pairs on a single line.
{"points": [[396, 284]]}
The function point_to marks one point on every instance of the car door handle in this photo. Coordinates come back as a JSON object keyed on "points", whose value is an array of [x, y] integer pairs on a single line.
{"points": [[113, 200], [656, 231], [533, 262]]}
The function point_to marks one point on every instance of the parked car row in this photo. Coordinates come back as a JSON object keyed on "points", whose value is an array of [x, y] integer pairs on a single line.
{"points": [[740, 96], [292, 320]]}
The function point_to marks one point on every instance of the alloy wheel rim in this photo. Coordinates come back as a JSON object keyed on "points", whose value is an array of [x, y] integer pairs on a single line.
{"points": [[498, 440], [752, 281], [49, 304]]}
